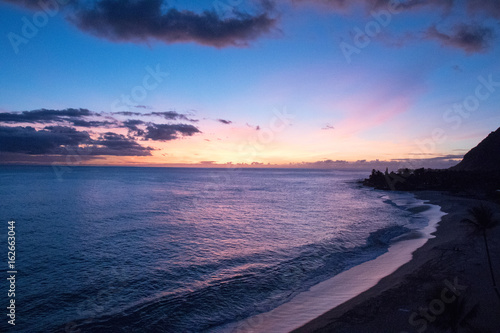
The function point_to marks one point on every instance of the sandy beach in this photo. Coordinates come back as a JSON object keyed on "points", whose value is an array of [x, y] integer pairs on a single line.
{"points": [[447, 284]]}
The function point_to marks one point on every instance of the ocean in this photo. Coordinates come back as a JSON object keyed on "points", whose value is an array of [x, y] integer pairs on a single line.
{"points": [[125, 249]]}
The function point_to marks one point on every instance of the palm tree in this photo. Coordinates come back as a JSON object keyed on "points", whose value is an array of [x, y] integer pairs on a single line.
{"points": [[482, 219]]}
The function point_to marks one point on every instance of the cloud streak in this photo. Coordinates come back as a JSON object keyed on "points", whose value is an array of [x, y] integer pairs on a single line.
{"points": [[32, 4], [487, 7], [167, 132], [142, 21], [470, 38], [45, 116], [370, 5], [28, 140], [115, 144], [63, 140], [168, 115], [53, 133]]}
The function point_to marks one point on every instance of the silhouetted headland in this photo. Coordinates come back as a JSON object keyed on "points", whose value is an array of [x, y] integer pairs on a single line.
{"points": [[399, 301], [478, 173]]}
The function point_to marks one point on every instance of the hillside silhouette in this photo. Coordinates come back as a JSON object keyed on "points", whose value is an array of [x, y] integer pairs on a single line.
{"points": [[484, 157], [478, 173]]}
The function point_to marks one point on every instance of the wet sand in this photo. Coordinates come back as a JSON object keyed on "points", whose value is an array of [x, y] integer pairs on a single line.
{"points": [[446, 285], [329, 294]]}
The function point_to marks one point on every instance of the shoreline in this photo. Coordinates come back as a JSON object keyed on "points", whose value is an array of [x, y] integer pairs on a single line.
{"points": [[328, 294], [452, 256]]}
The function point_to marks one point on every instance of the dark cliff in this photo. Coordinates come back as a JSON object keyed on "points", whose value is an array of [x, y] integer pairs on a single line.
{"points": [[477, 173], [484, 157]]}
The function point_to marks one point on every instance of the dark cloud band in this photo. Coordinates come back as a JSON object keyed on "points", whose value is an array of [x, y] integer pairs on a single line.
{"points": [[58, 137], [45, 116], [470, 38], [142, 21], [61, 140], [166, 132]]}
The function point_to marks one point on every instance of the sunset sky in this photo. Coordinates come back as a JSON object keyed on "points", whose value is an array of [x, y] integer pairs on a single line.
{"points": [[240, 81]]}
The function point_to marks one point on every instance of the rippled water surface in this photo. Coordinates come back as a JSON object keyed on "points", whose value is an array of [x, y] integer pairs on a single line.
{"points": [[184, 250]]}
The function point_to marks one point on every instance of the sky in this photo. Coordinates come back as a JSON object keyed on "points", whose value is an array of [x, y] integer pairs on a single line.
{"points": [[319, 83]]}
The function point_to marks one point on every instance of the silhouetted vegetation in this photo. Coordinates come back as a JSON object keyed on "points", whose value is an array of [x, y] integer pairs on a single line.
{"points": [[482, 220], [484, 182], [477, 173]]}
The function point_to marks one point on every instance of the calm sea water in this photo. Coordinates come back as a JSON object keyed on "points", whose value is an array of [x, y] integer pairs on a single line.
{"points": [[105, 249]]}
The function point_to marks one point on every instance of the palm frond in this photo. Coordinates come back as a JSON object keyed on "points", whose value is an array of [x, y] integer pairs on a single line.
{"points": [[482, 217], [470, 222]]}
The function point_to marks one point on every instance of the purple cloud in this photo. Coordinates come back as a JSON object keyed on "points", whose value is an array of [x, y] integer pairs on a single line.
{"points": [[167, 132], [143, 21], [380, 4], [470, 38], [63, 140], [488, 7]]}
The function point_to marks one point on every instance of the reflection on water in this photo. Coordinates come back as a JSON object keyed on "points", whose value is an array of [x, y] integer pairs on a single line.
{"points": [[185, 249]]}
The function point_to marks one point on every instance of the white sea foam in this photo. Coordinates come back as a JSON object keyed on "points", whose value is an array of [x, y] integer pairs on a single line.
{"points": [[333, 292]]}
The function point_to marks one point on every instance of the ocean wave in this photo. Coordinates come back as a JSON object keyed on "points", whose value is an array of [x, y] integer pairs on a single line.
{"points": [[254, 290]]}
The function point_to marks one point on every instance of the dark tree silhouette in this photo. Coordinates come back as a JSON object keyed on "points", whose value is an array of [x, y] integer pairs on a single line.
{"points": [[482, 220]]}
